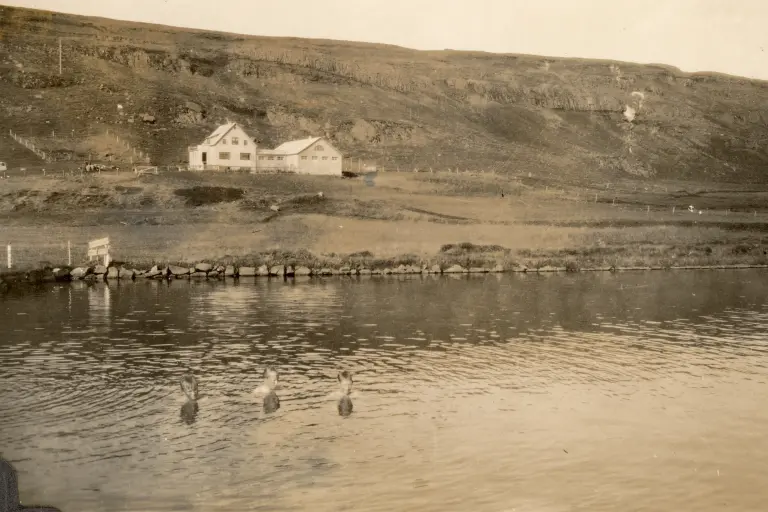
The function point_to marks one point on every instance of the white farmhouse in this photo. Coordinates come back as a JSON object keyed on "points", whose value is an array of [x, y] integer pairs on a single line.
{"points": [[228, 147], [314, 155]]}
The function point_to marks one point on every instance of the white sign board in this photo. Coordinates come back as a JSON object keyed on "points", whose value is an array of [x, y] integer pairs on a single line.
{"points": [[98, 248]]}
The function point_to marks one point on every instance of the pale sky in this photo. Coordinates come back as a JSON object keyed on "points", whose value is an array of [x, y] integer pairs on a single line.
{"points": [[728, 36]]}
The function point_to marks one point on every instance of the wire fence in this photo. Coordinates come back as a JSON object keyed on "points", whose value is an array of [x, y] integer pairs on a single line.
{"points": [[21, 256], [136, 155], [30, 146], [90, 144]]}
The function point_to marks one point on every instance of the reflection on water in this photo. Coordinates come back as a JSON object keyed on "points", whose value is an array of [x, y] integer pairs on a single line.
{"points": [[596, 392], [345, 406], [271, 402], [99, 305], [189, 411]]}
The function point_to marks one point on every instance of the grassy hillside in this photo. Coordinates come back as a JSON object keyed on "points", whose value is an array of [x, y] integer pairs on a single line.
{"points": [[558, 119]]}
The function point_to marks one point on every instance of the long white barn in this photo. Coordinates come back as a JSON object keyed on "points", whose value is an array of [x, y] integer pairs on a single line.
{"points": [[229, 147]]}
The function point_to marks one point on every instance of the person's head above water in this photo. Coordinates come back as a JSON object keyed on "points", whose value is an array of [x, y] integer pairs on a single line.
{"points": [[270, 377], [345, 381], [189, 386]]}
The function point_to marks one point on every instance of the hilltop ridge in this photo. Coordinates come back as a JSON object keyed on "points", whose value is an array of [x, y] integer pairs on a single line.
{"points": [[564, 119]]}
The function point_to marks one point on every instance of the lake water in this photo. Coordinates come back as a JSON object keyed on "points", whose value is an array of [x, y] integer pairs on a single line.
{"points": [[589, 392]]}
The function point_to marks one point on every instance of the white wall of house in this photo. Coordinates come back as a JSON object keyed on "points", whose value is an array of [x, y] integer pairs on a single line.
{"points": [[195, 160], [235, 150], [269, 160], [292, 161], [320, 158]]}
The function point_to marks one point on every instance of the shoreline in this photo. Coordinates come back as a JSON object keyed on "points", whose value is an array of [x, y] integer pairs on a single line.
{"points": [[17, 280]]}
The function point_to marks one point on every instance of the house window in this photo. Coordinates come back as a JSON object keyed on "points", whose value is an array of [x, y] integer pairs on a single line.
{"points": [[303, 158], [325, 158], [279, 158], [261, 158], [270, 158], [314, 158], [245, 156], [319, 148], [223, 156], [223, 141], [235, 141], [334, 158], [245, 142]]}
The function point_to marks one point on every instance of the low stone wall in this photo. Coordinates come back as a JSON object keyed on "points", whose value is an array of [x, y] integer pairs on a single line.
{"points": [[10, 280], [211, 271]]}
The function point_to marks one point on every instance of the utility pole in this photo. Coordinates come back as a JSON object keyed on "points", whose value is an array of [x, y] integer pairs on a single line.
{"points": [[59, 56]]}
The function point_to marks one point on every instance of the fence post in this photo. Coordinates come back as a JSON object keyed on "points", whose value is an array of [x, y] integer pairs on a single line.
{"points": [[69, 253], [10, 257]]}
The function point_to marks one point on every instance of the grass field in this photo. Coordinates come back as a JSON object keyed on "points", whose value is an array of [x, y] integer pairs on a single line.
{"points": [[189, 217]]}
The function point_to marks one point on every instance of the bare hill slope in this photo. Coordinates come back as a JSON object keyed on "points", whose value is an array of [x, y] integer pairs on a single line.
{"points": [[559, 118]]}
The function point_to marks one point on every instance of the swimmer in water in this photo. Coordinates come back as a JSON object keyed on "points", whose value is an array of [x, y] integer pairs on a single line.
{"points": [[189, 387], [190, 408], [345, 402], [271, 400]]}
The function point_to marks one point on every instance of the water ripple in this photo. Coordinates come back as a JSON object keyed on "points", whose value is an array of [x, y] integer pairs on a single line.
{"points": [[491, 393]]}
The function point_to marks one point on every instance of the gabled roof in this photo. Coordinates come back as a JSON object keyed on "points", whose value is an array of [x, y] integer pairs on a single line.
{"points": [[296, 146], [220, 132]]}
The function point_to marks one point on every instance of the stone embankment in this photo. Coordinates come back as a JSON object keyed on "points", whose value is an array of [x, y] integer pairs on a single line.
{"points": [[211, 271], [215, 271], [10, 280]]}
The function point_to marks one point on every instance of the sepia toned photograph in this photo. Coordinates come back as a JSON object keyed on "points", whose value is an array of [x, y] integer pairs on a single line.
{"points": [[374, 256]]}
